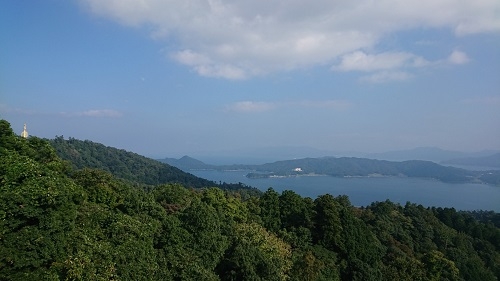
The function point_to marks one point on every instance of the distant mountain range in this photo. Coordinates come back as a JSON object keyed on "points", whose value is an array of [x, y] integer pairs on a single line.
{"points": [[187, 163], [130, 166], [492, 161], [348, 167], [136, 168], [268, 154], [427, 153]]}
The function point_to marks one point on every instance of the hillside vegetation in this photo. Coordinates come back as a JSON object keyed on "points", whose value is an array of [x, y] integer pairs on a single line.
{"points": [[61, 223], [128, 165], [350, 167]]}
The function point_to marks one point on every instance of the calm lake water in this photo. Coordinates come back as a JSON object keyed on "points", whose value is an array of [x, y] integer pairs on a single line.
{"points": [[363, 191]]}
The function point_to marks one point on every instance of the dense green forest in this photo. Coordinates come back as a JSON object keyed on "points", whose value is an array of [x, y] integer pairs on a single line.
{"points": [[130, 166], [62, 223]]}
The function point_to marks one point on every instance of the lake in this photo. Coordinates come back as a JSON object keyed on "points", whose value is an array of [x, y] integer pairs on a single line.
{"points": [[363, 191]]}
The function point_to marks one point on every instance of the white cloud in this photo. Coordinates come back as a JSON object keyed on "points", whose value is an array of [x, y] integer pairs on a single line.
{"points": [[393, 66], [251, 106], [106, 113], [359, 61], [332, 104], [256, 106], [386, 67], [206, 67], [458, 57], [191, 58], [111, 113], [4, 108], [386, 76], [238, 39], [101, 113]]}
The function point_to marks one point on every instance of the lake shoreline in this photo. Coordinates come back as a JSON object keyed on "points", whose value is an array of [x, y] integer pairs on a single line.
{"points": [[363, 191]]}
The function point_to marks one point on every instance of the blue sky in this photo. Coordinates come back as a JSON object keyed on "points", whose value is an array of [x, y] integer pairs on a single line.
{"points": [[198, 77]]}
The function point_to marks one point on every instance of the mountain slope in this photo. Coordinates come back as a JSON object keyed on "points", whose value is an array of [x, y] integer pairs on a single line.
{"points": [[420, 153], [433, 154], [123, 164], [88, 225], [186, 163], [356, 167], [353, 167]]}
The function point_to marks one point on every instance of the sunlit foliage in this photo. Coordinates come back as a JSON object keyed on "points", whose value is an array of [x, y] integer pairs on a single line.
{"points": [[61, 223]]}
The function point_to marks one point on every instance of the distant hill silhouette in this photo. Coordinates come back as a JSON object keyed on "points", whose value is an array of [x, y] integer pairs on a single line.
{"points": [[261, 155], [486, 161], [62, 224], [128, 165], [351, 167], [425, 153], [187, 163]]}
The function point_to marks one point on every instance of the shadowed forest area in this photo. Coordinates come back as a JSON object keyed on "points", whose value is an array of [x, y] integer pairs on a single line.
{"points": [[59, 221]]}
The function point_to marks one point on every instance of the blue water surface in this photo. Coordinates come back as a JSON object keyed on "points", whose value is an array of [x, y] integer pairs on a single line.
{"points": [[364, 191]]}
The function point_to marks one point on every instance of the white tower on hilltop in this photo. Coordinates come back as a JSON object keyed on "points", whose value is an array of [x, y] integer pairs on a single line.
{"points": [[24, 134]]}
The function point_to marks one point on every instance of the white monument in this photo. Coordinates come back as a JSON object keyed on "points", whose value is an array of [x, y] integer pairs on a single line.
{"points": [[24, 134]]}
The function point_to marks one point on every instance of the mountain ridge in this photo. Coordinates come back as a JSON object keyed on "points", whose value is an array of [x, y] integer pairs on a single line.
{"points": [[358, 167], [61, 224], [434, 154], [129, 165], [485, 161], [261, 155]]}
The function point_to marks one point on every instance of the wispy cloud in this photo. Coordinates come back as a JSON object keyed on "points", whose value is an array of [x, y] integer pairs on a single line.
{"points": [[392, 66], [97, 113], [256, 106], [250, 106], [6, 109], [386, 76], [240, 39], [458, 57], [360, 61], [325, 104], [205, 66]]}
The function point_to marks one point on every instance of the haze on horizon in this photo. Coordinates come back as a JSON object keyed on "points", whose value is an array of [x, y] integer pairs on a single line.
{"points": [[170, 78]]}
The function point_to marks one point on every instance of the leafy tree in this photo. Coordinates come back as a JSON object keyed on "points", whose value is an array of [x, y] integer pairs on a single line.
{"points": [[173, 197], [295, 211], [255, 254], [208, 241], [38, 207], [130, 166], [270, 210], [328, 228], [307, 266], [439, 267], [62, 224]]}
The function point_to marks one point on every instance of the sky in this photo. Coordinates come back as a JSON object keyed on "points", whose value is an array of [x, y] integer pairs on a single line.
{"points": [[198, 77]]}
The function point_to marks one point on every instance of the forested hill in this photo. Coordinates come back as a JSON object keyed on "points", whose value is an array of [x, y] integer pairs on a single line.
{"points": [[187, 163], [127, 165], [350, 167], [60, 224], [362, 167]]}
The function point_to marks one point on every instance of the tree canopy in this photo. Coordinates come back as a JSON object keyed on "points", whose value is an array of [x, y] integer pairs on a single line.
{"points": [[58, 222], [130, 166]]}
